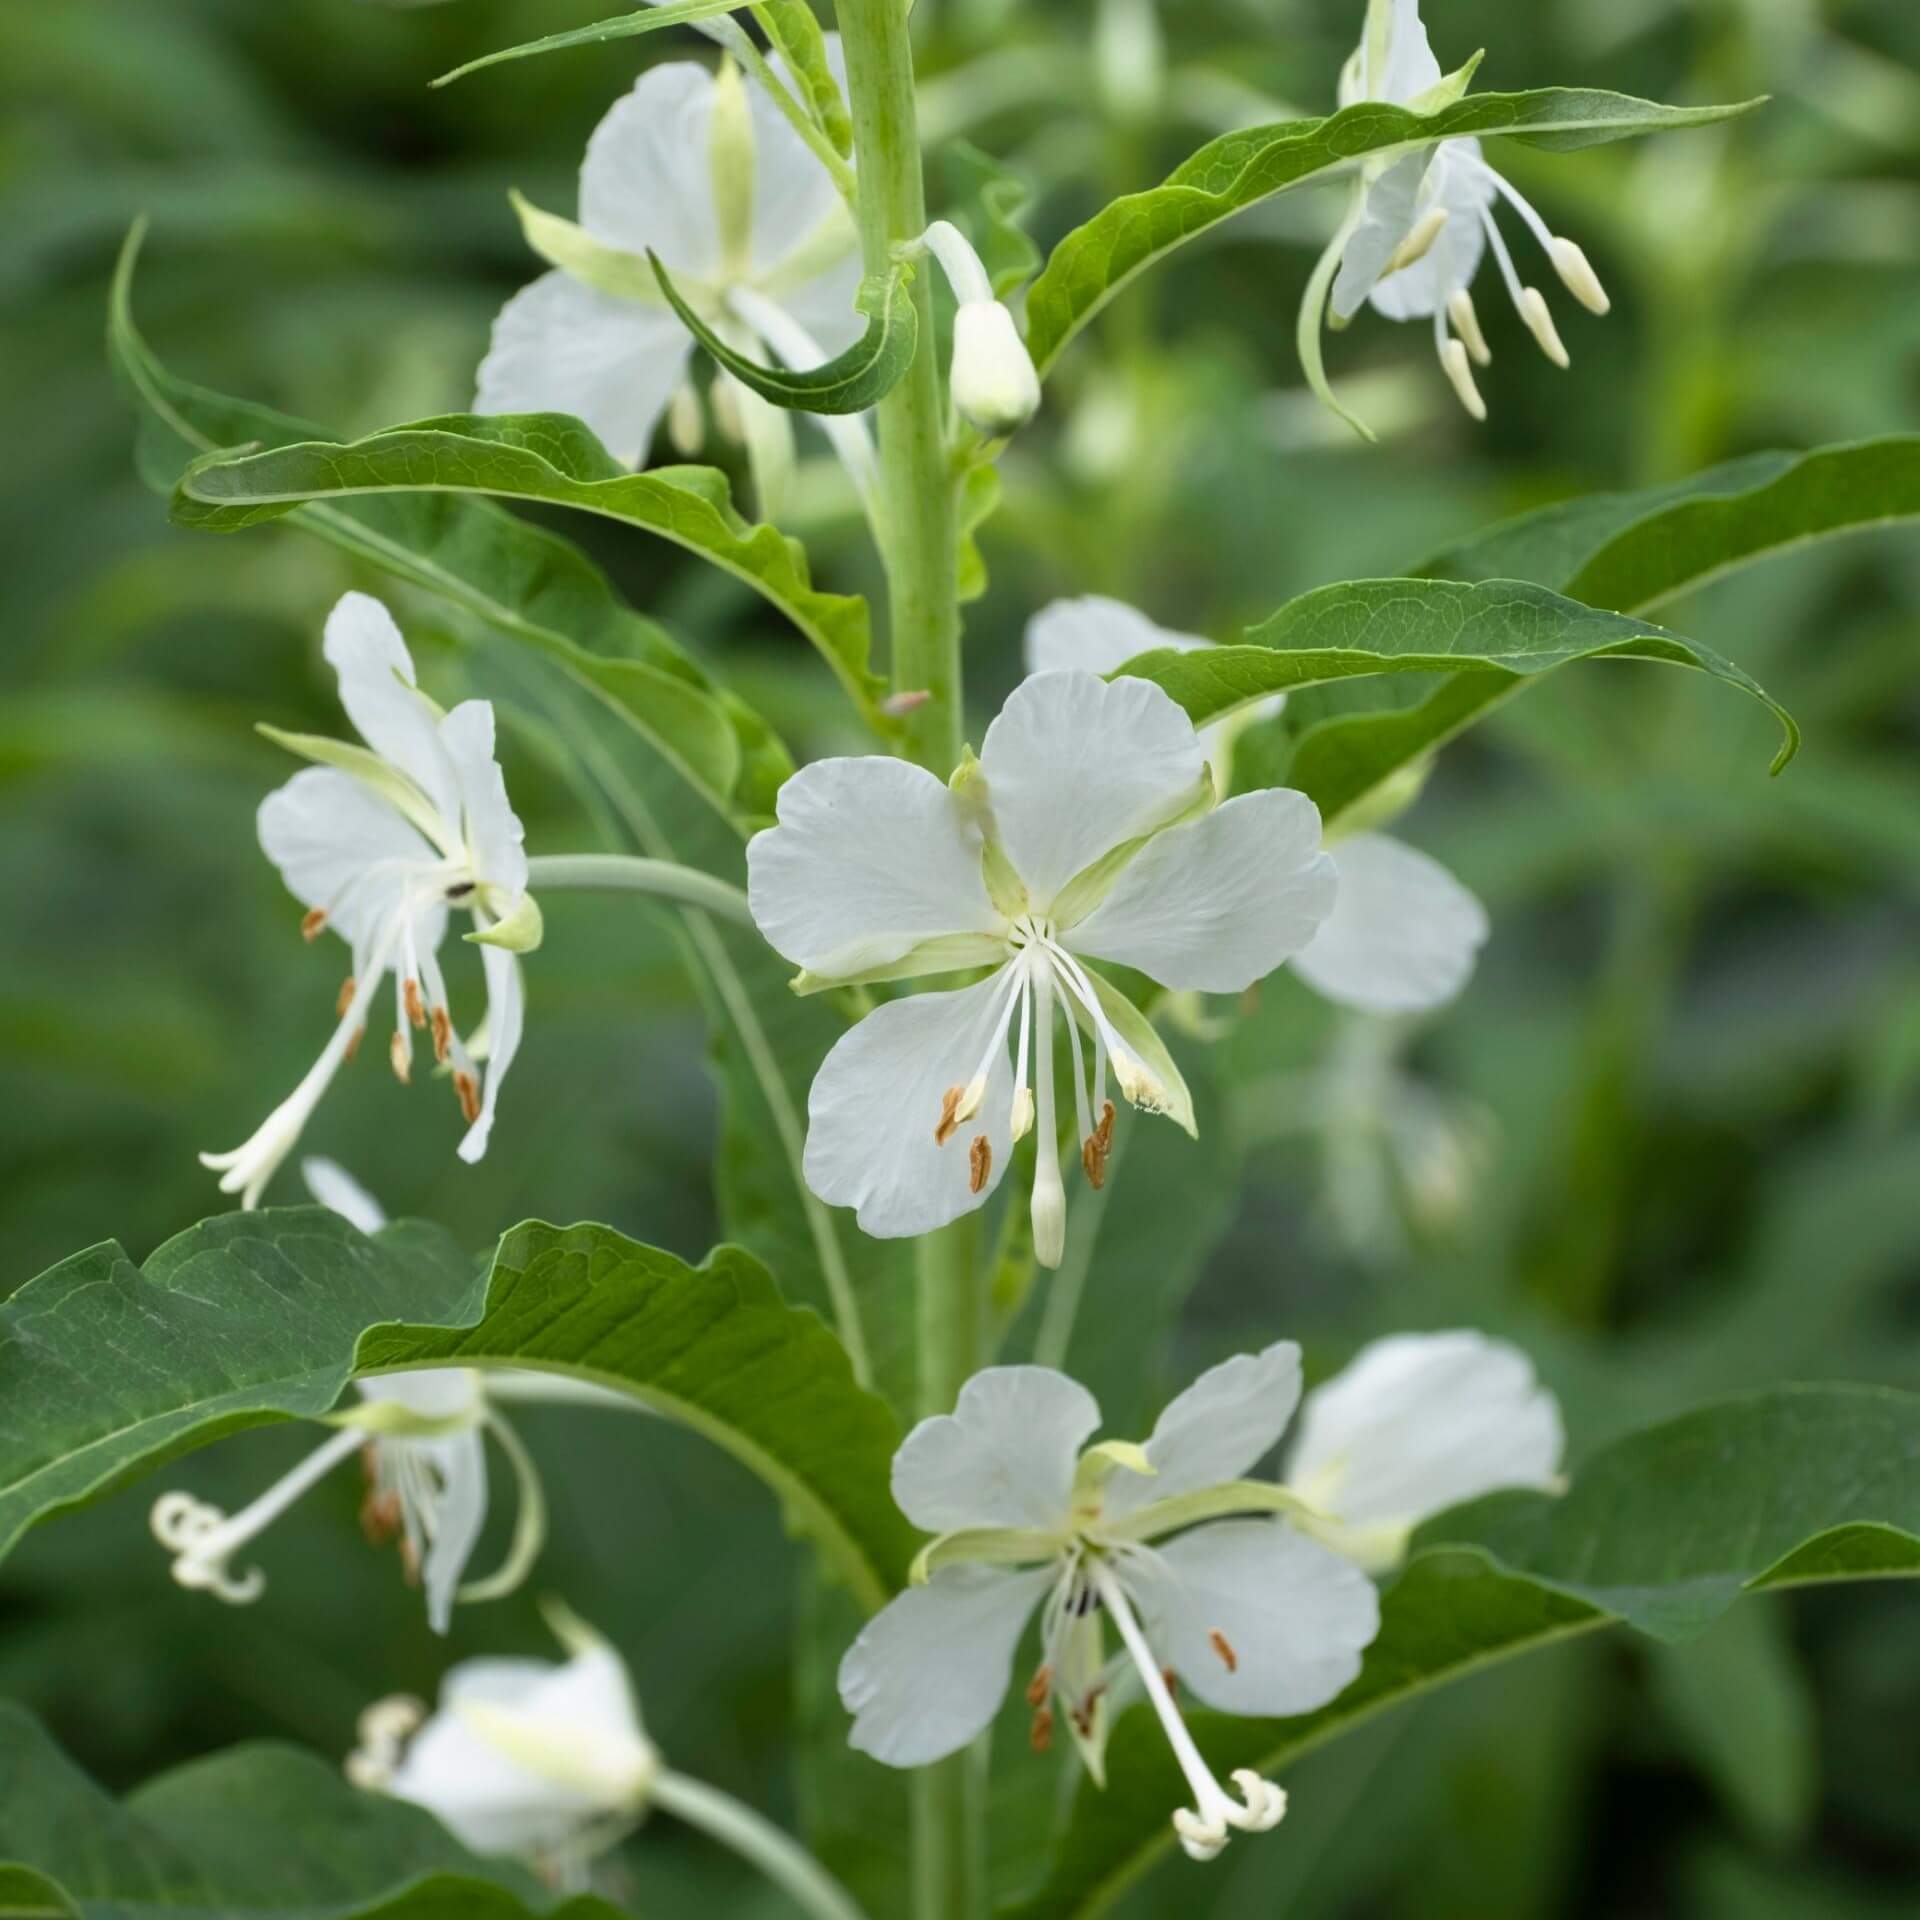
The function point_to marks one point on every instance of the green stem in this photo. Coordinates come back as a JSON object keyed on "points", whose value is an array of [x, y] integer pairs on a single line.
{"points": [[628, 873], [757, 1841]]}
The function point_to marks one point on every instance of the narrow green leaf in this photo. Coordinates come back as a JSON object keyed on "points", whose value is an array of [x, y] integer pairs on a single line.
{"points": [[796, 36], [552, 458], [1663, 1531], [851, 382], [1239, 170], [524, 582], [257, 1317], [671, 13]]}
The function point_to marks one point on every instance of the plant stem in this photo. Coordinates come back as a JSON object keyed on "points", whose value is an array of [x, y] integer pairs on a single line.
{"points": [[759, 1842], [628, 873]]}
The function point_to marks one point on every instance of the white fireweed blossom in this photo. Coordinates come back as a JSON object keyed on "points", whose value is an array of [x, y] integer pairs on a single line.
{"points": [[703, 169], [549, 1762], [379, 843], [1418, 1423], [1422, 222], [1403, 935], [1247, 1612], [1087, 829], [421, 1439]]}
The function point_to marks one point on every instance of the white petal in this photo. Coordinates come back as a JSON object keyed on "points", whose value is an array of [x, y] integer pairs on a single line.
{"points": [[387, 708], [333, 1186], [1421, 290], [338, 845], [823, 305], [1075, 765], [506, 1019], [646, 181], [435, 1393], [1004, 1457], [1095, 635], [792, 191], [1219, 903], [929, 1671], [1403, 935], [876, 1101], [869, 859], [1420, 1422], [1411, 66], [560, 347], [1392, 206], [493, 830], [1217, 1429], [459, 1514], [1293, 1615]]}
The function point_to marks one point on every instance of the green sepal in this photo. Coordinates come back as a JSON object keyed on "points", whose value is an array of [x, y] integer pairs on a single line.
{"points": [[1092, 884], [984, 1546], [1210, 1503], [945, 953], [564, 244], [519, 931], [1005, 888], [371, 771], [1449, 88], [393, 1419], [1099, 1464], [1143, 1037]]}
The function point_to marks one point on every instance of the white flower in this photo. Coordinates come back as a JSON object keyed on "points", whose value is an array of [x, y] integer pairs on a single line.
{"points": [[1250, 1615], [379, 844], [1085, 830], [1423, 222], [992, 378], [532, 1758], [421, 1437], [1403, 934], [705, 171], [1416, 1424]]}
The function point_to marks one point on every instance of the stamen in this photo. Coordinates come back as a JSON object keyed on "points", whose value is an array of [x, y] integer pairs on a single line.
{"points": [[1040, 1734], [1577, 276], [400, 1055], [1096, 1147], [416, 1011], [468, 1090], [1419, 242], [1021, 1123], [1049, 1207], [353, 1045], [442, 1035], [1466, 323], [1221, 1645], [1453, 362], [1083, 1709], [1040, 1685], [311, 924], [343, 999], [385, 1729], [948, 1123], [1539, 318], [979, 1163]]}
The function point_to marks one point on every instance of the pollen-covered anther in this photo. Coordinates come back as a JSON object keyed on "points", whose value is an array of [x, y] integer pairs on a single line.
{"points": [[1083, 1709], [949, 1122], [313, 923], [416, 1007], [979, 1163], [1466, 323], [468, 1090], [380, 1516], [1040, 1685], [401, 1057], [1040, 1734], [1221, 1645], [1419, 241], [1578, 277], [343, 999], [1172, 1682], [353, 1043], [1140, 1086], [442, 1034], [1539, 318], [1095, 1148]]}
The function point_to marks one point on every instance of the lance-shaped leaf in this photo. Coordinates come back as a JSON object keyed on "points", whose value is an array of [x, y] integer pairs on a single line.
{"points": [[851, 382], [795, 32], [622, 26], [107, 1370], [1662, 1531], [258, 1831], [518, 579], [552, 458], [1239, 170]]}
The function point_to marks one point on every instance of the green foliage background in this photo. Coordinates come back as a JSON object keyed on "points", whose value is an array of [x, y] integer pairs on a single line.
{"points": [[1682, 1088]]}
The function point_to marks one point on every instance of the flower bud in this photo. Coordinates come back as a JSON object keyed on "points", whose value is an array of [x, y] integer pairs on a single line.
{"points": [[994, 384]]}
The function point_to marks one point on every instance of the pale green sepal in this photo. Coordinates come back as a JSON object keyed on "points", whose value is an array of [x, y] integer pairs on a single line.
{"points": [[1174, 1099], [1449, 88], [982, 1546], [529, 1526], [1091, 885], [627, 276], [1213, 1503], [1098, 1465], [1005, 888], [1313, 310], [1083, 1660], [391, 1420], [946, 953], [520, 930], [1376, 1548], [730, 158], [1383, 804], [371, 771]]}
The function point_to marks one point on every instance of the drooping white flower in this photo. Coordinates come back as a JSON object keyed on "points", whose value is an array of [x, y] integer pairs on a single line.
{"points": [[1249, 1614], [379, 844], [1423, 221], [703, 169], [1415, 1424], [992, 377], [1086, 830], [1403, 934]]}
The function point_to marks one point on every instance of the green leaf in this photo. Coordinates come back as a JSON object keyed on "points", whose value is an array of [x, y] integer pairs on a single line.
{"points": [[672, 13], [261, 1830], [851, 382], [1662, 1531], [257, 1317], [986, 199], [796, 35], [1239, 170], [524, 582], [554, 459]]}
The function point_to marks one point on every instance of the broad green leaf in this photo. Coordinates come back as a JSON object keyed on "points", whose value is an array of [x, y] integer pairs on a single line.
{"points": [[519, 579], [1239, 170], [107, 1370], [255, 1832], [1663, 1531], [849, 383], [795, 33], [623, 26], [551, 458]]}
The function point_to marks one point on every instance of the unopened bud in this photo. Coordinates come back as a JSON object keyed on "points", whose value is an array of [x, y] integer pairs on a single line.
{"points": [[1419, 241], [994, 384], [1049, 1214], [1539, 318], [1466, 323], [1453, 358], [1577, 275]]}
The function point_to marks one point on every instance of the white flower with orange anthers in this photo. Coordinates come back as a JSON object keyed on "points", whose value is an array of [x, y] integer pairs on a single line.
{"points": [[1403, 934], [1169, 1542], [1422, 222], [381, 842], [1086, 830]]}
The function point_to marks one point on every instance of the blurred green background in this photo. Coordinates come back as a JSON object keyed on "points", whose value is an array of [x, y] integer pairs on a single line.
{"points": [[1669, 1138]]}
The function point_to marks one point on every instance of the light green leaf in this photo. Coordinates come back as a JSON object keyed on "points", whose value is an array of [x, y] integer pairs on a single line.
{"points": [[1239, 170], [1663, 1531], [554, 459], [672, 13], [851, 382], [518, 579], [796, 35], [256, 1317]]}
